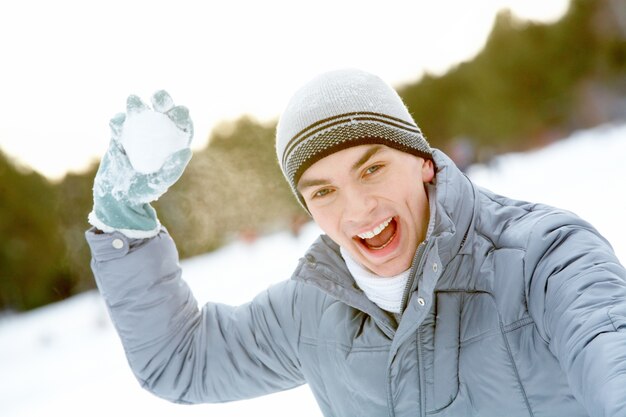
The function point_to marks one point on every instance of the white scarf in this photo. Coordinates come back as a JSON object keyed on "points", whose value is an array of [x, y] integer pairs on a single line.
{"points": [[385, 292]]}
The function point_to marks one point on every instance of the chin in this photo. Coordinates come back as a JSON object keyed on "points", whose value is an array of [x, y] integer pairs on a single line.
{"points": [[388, 270]]}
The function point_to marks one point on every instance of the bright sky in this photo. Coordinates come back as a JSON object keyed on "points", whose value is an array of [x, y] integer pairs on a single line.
{"points": [[69, 65]]}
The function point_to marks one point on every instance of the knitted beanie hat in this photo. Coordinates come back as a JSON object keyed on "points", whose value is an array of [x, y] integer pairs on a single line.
{"points": [[338, 110]]}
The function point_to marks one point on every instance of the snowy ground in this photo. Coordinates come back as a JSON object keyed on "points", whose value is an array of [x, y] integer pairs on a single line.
{"points": [[65, 359]]}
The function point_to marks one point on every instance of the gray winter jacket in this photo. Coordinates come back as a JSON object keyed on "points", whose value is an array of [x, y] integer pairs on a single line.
{"points": [[515, 309]]}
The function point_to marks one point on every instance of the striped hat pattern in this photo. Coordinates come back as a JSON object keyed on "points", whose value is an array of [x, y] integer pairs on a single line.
{"points": [[338, 110]]}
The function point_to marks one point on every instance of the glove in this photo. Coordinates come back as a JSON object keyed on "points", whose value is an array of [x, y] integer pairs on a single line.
{"points": [[148, 152]]}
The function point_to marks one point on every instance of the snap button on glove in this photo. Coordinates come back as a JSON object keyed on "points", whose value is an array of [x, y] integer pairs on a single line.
{"points": [[148, 152]]}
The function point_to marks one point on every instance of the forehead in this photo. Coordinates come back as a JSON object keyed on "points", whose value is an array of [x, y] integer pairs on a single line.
{"points": [[342, 161]]}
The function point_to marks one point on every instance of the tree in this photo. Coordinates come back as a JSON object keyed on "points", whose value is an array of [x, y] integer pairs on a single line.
{"points": [[33, 267]]}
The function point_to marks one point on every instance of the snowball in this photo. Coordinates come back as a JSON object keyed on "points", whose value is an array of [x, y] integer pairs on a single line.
{"points": [[149, 137]]}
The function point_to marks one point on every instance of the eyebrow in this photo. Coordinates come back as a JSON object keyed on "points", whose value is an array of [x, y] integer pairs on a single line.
{"points": [[311, 183], [362, 160], [366, 157]]}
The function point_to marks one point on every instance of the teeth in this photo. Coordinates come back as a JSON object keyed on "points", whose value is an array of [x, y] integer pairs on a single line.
{"points": [[376, 231]]}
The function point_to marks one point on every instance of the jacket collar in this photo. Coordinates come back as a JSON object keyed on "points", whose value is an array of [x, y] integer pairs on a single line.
{"points": [[323, 267], [454, 209]]}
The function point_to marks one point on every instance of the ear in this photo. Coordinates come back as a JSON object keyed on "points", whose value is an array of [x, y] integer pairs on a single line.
{"points": [[428, 170]]}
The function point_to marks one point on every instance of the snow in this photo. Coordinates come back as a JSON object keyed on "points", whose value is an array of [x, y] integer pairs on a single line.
{"points": [[583, 174], [65, 359], [149, 137]]}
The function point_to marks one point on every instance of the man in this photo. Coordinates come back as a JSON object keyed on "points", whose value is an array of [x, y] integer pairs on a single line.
{"points": [[427, 295]]}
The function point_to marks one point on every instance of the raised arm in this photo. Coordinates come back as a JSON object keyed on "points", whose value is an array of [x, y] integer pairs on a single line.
{"points": [[183, 354], [176, 350]]}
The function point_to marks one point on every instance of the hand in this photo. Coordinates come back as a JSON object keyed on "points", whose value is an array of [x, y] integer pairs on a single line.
{"points": [[148, 152]]}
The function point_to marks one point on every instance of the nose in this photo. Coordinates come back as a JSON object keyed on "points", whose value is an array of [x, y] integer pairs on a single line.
{"points": [[358, 204]]}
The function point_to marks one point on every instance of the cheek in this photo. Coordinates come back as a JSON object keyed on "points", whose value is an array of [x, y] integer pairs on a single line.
{"points": [[326, 219], [416, 200]]}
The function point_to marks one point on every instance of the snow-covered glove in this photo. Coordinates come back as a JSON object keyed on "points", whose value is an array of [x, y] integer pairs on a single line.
{"points": [[148, 152]]}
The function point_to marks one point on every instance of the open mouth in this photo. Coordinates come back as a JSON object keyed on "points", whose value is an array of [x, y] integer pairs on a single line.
{"points": [[379, 237]]}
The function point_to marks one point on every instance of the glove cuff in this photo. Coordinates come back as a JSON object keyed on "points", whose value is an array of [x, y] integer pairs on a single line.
{"points": [[150, 225]]}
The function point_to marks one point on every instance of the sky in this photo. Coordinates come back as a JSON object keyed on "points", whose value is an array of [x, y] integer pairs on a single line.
{"points": [[69, 65], [66, 360]]}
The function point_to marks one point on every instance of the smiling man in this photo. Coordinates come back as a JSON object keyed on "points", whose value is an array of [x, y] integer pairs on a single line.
{"points": [[372, 201], [426, 295]]}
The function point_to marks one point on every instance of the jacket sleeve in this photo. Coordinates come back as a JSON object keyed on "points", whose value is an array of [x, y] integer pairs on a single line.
{"points": [[183, 354], [577, 297]]}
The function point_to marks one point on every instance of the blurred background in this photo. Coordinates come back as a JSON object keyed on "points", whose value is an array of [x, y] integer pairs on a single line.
{"points": [[481, 79]]}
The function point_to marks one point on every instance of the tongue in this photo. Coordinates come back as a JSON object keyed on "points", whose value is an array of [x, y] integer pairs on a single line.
{"points": [[383, 237]]}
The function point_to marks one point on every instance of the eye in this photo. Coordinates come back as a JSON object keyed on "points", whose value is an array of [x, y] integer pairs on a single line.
{"points": [[322, 193], [372, 169]]}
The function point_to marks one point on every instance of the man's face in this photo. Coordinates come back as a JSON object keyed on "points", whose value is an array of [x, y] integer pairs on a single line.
{"points": [[371, 200]]}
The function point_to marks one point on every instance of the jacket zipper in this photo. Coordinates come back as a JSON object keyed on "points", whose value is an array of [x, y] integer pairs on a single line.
{"points": [[420, 370], [417, 261], [409, 282]]}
